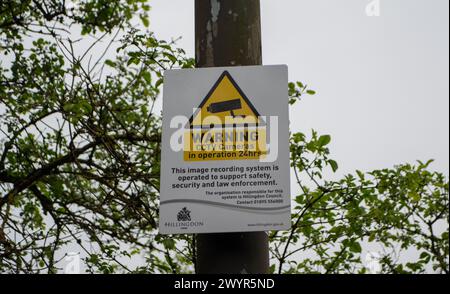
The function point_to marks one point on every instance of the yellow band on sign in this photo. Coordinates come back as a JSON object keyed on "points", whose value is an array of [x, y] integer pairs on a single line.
{"points": [[225, 144]]}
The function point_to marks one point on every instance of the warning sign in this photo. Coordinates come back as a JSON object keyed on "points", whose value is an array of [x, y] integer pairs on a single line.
{"points": [[225, 150], [225, 104], [225, 126]]}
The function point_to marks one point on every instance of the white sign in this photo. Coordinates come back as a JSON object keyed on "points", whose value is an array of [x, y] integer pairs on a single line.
{"points": [[225, 150]]}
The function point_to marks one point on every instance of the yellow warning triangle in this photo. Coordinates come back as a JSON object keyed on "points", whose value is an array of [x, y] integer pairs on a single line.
{"points": [[227, 105]]}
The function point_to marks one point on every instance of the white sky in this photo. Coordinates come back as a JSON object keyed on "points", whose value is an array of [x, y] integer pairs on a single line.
{"points": [[382, 82]]}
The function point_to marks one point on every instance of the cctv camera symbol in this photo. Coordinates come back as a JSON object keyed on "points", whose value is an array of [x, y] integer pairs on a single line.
{"points": [[230, 105]]}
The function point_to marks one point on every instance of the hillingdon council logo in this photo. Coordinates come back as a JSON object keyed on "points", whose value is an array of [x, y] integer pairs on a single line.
{"points": [[184, 220], [184, 215]]}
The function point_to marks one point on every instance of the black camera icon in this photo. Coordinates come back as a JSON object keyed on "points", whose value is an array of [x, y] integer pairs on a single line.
{"points": [[225, 106]]}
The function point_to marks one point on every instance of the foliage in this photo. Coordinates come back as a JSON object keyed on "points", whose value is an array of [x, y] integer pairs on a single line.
{"points": [[80, 157], [401, 211]]}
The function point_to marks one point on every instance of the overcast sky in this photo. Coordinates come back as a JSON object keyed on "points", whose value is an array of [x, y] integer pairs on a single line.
{"points": [[382, 82]]}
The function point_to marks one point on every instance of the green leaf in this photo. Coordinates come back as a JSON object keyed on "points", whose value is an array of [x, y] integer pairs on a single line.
{"points": [[94, 258], [86, 106], [171, 57], [133, 60], [159, 83], [355, 247], [147, 77], [324, 140], [311, 92], [360, 174], [169, 244], [61, 210], [334, 165], [424, 255], [69, 107], [272, 269], [110, 63], [415, 197], [144, 19]]}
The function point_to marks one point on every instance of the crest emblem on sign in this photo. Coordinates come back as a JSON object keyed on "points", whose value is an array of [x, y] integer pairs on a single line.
{"points": [[184, 215]]}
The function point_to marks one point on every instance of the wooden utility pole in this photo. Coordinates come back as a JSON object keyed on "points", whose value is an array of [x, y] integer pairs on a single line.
{"points": [[228, 33]]}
